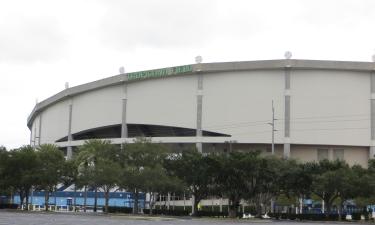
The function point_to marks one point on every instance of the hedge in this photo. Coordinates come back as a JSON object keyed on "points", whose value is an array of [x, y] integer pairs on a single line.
{"points": [[317, 216], [119, 209], [202, 213], [9, 206], [167, 212]]}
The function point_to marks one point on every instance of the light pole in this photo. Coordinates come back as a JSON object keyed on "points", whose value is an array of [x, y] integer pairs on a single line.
{"points": [[273, 129]]}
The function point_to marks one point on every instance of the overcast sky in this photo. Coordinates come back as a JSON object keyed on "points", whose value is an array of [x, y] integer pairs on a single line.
{"points": [[45, 43]]}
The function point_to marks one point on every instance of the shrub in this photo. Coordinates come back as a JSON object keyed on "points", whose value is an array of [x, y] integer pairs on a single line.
{"points": [[119, 209], [306, 216], [167, 212], [356, 216]]}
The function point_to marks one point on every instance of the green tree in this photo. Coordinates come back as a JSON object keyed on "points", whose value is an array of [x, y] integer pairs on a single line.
{"points": [[194, 170], [50, 171], [329, 180], [371, 165], [107, 177], [248, 176], [20, 171], [157, 181], [98, 167], [229, 178], [353, 183], [4, 186], [141, 165], [268, 180], [70, 176], [296, 180], [364, 184]]}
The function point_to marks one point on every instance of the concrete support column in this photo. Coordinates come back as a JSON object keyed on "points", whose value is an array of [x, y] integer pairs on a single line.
{"points": [[40, 129], [199, 109], [372, 151], [34, 142], [287, 97], [31, 137], [372, 117], [69, 150], [124, 126], [330, 154]]}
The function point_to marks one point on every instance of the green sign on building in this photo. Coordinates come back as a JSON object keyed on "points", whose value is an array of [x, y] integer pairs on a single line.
{"points": [[160, 72]]}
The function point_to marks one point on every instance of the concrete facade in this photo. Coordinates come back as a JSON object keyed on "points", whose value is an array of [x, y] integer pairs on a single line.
{"points": [[317, 103], [353, 155]]}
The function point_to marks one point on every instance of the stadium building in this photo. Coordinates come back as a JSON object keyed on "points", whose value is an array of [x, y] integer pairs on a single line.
{"points": [[322, 109]]}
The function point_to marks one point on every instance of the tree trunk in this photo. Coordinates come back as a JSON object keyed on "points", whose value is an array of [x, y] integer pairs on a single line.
{"points": [[233, 207], [328, 207], [95, 199], [195, 205], [11, 197], [27, 200], [85, 200], [135, 207], [165, 204], [22, 198], [232, 211], [106, 196], [152, 201], [258, 207], [46, 199], [75, 197], [340, 209], [55, 197]]}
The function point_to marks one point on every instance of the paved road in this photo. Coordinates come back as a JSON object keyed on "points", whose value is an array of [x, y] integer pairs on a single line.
{"points": [[36, 218]]}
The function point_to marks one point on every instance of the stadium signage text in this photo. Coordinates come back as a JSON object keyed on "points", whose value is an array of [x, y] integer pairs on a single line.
{"points": [[160, 72]]}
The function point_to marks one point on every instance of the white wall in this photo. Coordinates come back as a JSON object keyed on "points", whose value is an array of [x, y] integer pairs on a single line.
{"points": [[54, 122], [167, 101], [327, 107], [240, 104], [330, 107], [97, 108]]}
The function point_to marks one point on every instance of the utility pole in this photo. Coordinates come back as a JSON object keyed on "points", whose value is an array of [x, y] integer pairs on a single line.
{"points": [[273, 146], [273, 129]]}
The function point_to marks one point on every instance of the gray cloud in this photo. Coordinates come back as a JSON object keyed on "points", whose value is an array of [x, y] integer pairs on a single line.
{"points": [[172, 24], [343, 14], [80, 40], [30, 39]]}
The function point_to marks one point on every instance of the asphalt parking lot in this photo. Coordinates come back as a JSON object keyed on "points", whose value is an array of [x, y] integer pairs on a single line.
{"points": [[41, 218]]}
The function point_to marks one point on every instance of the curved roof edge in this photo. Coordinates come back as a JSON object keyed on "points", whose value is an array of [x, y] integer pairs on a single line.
{"points": [[204, 67]]}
